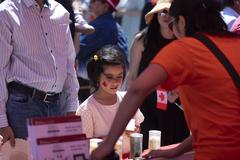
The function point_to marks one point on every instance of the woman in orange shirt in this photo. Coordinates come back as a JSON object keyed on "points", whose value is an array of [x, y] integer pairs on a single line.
{"points": [[209, 96]]}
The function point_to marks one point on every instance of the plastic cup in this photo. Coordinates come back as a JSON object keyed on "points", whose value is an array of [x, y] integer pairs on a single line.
{"points": [[154, 139], [136, 145]]}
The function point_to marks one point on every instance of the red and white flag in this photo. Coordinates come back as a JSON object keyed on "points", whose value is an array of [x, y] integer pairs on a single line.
{"points": [[161, 98]]}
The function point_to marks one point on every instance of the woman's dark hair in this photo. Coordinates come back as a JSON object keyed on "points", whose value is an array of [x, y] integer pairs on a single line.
{"points": [[106, 56], [200, 15], [228, 3], [151, 36]]}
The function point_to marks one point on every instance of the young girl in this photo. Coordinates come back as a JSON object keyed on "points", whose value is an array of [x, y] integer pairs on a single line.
{"points": [[106, 71]]}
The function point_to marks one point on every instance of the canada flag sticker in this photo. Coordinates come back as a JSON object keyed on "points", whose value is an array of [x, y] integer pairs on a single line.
{"points": [[161, 98]]}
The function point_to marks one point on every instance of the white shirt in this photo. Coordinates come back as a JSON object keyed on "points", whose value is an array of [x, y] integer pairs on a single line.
{"points": [[98, 118], [229, 16], [36, 49]]}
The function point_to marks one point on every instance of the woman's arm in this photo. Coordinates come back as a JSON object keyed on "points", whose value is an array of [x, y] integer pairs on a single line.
{"points": [[135, 58]]}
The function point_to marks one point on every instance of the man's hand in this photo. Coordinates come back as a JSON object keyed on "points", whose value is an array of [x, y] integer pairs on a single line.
{"points": [[7, 134]]}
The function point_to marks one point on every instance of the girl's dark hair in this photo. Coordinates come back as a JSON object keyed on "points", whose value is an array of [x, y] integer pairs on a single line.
{"points": [[151, 36], [106, 56], [200, 15]]}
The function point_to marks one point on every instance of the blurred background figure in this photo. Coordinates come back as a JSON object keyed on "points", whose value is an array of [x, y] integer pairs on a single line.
{"points": [[149, 4], [131, 15], [1, 142], [231, 12], [81, 24], [78, 24], [170, 120], [236, 26], [107, 31], [121, 6]]}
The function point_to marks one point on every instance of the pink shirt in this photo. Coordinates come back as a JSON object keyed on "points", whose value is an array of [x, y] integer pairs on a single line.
{"points": [[97, 118]]}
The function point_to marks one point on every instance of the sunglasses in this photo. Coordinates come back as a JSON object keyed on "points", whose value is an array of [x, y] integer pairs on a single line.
{"points": [[172, 22], [164, 12]]}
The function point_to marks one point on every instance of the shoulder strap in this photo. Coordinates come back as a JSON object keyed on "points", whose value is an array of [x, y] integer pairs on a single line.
{"points": [[221, 57]]}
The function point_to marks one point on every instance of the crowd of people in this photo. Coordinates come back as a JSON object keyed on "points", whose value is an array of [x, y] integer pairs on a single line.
{"points": [[178, 74]]}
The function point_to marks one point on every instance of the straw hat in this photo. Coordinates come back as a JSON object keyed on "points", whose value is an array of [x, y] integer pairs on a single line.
{"points": [[161, 4]]}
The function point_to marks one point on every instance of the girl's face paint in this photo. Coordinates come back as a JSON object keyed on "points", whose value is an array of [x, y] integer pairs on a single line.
{"points": [[104, 84], [111, 78]]}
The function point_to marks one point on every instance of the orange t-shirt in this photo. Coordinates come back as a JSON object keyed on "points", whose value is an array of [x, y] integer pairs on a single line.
{"points": [[210, 99]]}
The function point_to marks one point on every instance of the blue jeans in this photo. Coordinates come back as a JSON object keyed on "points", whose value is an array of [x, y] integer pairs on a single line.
{"points": [[20, 107]]}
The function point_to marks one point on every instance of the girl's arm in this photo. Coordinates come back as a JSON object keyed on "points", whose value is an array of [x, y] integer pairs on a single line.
{"points": [[87, 120]]}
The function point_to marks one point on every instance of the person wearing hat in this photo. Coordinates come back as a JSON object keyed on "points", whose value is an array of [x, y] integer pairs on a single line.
{"points": [[148, 6], [170, 120], [209, 94], [231, 12], [236, 26], [131, 14], [107, 31]]}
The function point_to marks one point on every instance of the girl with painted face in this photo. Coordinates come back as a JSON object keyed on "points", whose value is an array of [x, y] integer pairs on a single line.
{"points": [[106, 71]]}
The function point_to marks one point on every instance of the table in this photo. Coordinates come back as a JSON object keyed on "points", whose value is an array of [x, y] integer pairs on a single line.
{"points": [[186, 156]]}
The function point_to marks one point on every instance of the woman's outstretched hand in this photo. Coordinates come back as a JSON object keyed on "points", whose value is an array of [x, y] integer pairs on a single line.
{"points": [[102, 151], [158, 154]]}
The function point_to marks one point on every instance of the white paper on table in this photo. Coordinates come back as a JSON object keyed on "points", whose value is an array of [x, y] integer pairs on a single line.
{"points": [[52, 127]]}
